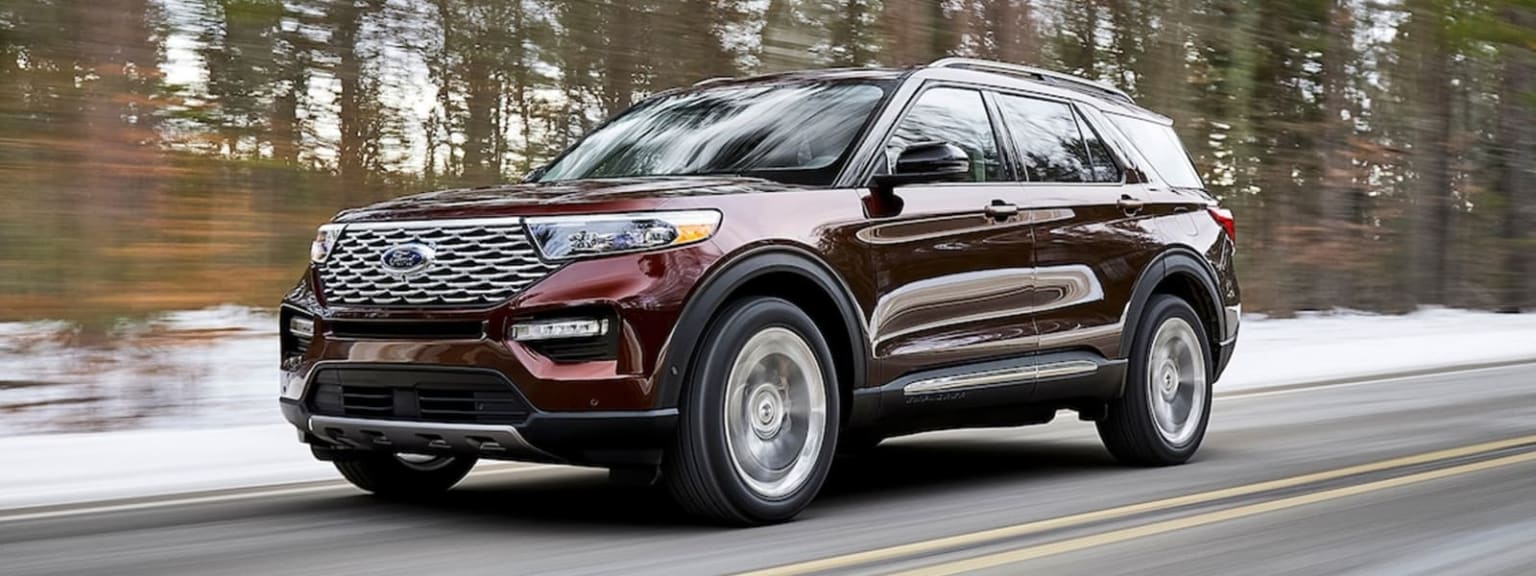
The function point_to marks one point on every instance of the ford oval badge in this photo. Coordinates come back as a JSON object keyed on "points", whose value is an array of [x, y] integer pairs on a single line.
{"points": [[407, 260]]}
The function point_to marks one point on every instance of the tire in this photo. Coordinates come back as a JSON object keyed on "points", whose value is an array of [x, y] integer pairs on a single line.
{"points": [[766, 464], [397, 477], [1144, 427]]}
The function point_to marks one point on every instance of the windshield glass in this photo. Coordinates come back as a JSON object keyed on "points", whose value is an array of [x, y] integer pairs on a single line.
{"points": [[798, 133]]}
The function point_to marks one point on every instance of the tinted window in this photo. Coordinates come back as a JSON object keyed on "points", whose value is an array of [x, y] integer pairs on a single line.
{"points": [[791, 132], [955, 116], [1161, 147], [1046, 136], [1101, 165]]}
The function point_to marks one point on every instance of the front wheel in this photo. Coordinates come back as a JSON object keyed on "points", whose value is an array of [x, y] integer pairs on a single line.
{"points": [[1161, 418], [759, 417], [405, 476]]}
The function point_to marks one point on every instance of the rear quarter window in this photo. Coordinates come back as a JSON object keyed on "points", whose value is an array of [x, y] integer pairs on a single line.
{"points": [[1160, 145]]}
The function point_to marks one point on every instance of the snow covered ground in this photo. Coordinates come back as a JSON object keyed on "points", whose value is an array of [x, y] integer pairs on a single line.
{"points": [[210, 368], [1316, 347], [187, 402]]}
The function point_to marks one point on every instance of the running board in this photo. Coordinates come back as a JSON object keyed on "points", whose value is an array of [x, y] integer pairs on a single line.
{"points": [[1013, 376], [991, 393]]}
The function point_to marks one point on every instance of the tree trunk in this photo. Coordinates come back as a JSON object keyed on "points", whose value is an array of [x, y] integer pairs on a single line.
{"points": [[347, 20], [1335, 228], [1434, 198], [1517, 146], [904, 26]]}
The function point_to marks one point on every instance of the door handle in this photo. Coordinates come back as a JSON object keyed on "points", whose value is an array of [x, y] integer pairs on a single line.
{"points": [[1000, 210], [1130, 206]]}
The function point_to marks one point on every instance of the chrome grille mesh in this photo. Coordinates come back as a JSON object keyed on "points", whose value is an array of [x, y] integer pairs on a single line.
{"points": [[477, 262]]}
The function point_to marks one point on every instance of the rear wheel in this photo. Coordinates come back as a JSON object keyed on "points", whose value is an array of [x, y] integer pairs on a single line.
{"points": [[1161, 418], [405, 476], [759, 418]]}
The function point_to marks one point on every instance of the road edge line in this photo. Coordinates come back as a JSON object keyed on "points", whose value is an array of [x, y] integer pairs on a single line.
{"points": [[50, 512], [1372, 378]]}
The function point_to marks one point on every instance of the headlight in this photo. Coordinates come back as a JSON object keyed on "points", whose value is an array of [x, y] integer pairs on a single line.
{"points": [[568, 237], [325, 239]]}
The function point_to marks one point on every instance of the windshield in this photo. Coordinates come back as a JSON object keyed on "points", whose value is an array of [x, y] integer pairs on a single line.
{"points": [[797, 133]]}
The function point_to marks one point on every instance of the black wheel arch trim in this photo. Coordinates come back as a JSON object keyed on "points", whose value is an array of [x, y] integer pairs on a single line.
{"points": [[731, 274], [1176, 260]]}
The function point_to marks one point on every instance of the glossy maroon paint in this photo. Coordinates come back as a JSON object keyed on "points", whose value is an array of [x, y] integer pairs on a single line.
{"points": [[937, 281]]}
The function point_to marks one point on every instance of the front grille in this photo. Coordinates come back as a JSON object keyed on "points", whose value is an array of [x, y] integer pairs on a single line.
{"points": [[406, 329], [476, 263], [423, 395]]}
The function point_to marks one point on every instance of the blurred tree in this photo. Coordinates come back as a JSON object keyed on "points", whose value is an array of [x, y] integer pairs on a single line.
{"points": [[1514, 30], [852, 32], [1333, 211], [1428, 52], [1076, 40], [914, 32], [1375, 152]]}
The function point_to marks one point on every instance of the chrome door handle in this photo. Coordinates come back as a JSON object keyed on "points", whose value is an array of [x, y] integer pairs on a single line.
{"points": [[1129, 205], [1000, 210]]}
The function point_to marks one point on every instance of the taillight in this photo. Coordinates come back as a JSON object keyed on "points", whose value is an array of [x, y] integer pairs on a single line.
{"points": [[1223, 217]]}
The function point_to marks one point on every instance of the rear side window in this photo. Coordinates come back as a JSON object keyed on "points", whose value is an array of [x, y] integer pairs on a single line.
{"points": [[1161, 147], [1101, 165], [1045, 134]]}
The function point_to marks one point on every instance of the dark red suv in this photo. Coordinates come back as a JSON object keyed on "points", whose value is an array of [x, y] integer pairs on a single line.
{"points": [[725, 285]]}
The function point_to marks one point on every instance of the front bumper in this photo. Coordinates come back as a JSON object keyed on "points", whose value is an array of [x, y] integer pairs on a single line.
{"points": [[602, 411], [636, 438], [643, 295]]}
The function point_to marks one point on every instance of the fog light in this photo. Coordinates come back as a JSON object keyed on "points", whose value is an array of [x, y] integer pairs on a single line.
{"points": [[557, 329], [292, 385], [301, 327]]}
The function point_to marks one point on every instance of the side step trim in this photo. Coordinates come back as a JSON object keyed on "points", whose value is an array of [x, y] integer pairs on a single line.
{"points": [[972, 380], [1064, 369], [1016, 375]]}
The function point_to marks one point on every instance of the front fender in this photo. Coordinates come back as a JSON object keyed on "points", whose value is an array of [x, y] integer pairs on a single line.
{"points": [[722, 283]]}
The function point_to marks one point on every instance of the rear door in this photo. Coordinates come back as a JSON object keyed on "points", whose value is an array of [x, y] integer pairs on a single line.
{"points": [[1093, 226]]}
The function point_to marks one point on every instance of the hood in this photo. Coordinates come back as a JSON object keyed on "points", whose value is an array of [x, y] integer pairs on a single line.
{"points": [[511, 199]]}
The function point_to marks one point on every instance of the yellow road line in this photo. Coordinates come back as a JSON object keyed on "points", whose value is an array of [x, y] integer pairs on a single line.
{"points": [[1156, 528], [984, 536]]}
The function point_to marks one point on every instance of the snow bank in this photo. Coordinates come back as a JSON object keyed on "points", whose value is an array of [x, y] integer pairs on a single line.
{"points": [[191, 396], [197, 369], [67, 468], [1350, 344]]}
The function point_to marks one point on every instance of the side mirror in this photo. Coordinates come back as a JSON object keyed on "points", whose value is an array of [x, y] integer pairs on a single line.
{"points": [[927, 162]]}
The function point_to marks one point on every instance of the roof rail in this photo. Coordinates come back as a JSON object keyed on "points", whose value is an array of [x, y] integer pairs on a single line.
{"points": [[1021, 70], [708, 81]]}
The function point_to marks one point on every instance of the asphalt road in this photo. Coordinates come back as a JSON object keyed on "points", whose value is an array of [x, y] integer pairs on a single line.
{"points": [[1423, 475]]}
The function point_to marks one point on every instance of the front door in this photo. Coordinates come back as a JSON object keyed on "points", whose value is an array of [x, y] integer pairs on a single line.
{"points": [[953, 261]]}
